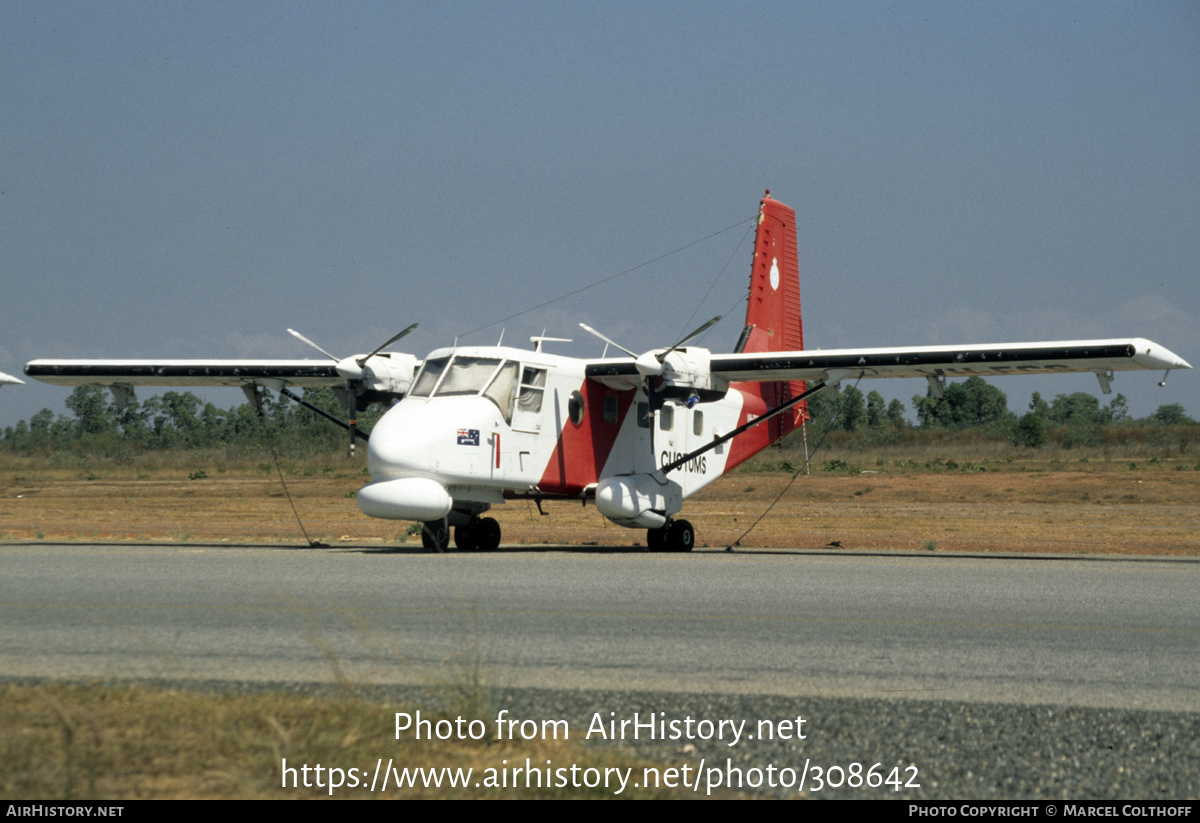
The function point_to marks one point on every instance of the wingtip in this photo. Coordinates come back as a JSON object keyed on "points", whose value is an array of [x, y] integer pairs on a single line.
{"points": [[1154, 356]]}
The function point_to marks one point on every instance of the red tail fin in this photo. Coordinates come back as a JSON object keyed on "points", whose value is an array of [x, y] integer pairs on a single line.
{"points": [[773, 315]]}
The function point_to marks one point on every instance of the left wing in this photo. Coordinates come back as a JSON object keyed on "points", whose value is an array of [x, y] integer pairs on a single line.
{"points": [[9, 380], [981, 360], [699, 368]]}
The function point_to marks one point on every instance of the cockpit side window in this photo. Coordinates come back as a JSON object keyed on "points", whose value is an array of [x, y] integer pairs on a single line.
{"points": [[500, 390], [427, 380]]}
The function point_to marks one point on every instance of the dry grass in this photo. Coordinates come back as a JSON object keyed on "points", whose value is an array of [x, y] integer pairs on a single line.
{"points": [[1030, 502], [74, 742]]}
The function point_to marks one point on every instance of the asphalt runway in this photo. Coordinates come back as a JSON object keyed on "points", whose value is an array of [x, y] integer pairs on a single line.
{"points": [[1097, 632]]}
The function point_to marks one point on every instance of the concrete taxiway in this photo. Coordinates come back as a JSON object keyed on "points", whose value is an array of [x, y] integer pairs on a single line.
{"points": [[1101, 632]]}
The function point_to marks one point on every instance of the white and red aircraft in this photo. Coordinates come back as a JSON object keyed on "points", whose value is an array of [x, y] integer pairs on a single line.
{"points": [[476, 426]]}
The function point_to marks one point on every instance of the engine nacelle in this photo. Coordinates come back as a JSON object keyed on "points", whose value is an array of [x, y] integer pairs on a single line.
{"points": [[690, 370], [390, 372], [638, 500], [406, 498]]}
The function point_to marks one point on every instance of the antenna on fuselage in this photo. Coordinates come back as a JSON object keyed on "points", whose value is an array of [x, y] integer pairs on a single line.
{"points": [[538, 340]]}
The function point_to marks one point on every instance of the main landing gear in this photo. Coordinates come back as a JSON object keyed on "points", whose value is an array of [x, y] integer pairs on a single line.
{"points": [[676, 536], [481, 534]]}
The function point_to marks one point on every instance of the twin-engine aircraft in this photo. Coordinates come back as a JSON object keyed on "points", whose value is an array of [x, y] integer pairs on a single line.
{"points": [[476, 426]]}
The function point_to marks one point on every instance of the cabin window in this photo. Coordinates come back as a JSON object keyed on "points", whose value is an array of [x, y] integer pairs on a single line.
{"points": [[697, 422], [666, 418], [610, 409], [643, 415], [576, 407]]}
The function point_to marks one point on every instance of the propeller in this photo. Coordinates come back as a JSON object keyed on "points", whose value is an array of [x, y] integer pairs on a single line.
{"points": [[351, 370], [651, 363], [363, 360], [304, 339]]}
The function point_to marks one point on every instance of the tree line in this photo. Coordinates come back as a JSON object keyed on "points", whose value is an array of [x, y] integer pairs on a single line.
{"points": [[181, 420], [976, 404]]}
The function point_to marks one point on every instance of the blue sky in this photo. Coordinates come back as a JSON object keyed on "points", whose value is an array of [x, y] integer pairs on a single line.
{"points": [[190, 179]]}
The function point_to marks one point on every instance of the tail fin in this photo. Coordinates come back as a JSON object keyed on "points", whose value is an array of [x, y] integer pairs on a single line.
{"points": [[773, 315], [773, 320]]}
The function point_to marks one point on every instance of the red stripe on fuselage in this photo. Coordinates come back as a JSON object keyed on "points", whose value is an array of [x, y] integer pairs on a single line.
{"points": [[750, 442], [582, 450]]}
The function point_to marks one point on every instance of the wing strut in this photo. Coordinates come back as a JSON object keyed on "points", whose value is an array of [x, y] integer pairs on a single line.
{"points": [[350, 427], [725, 438]]}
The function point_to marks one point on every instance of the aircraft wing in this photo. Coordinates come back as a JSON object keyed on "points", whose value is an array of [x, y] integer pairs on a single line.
{"points": [[9, 379], [935, 362], [981, 360], [303, 373]]}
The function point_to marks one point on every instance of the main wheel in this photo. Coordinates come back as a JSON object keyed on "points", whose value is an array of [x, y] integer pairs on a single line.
{"points": [[436, 535], [656, 539], [680, 536], [467, 537], [488, 535]]}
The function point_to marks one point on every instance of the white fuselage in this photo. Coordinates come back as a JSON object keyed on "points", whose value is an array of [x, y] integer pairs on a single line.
{"points": [[486, 423]]}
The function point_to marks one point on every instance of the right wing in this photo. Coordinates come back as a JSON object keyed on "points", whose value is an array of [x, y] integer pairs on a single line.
{"points": [[384, 377], [303, 373]]}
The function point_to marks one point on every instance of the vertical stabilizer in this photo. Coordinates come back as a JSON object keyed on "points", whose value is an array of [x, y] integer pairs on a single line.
{"points": [[773, 315]]}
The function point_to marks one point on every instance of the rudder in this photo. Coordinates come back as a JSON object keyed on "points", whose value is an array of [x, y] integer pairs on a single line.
{"points": [[773, 317]]}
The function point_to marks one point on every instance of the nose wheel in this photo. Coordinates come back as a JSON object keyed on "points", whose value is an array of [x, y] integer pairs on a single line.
{"points": [[676, 536]]}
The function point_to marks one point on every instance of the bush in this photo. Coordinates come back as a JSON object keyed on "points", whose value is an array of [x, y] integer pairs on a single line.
{"points": [[1030, 431]]}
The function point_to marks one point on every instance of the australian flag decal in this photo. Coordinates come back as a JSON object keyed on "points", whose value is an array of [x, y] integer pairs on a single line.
{"points": [[468, 437]]}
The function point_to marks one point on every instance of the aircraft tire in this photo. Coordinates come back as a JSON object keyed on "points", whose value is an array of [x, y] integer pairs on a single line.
{"points": [[487, 534], [435, 536], [466, 538], [680, 536], [656, 539]]}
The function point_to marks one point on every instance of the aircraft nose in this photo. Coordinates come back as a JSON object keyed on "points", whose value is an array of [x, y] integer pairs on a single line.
{"points": [[449, 438], [392, 452]]}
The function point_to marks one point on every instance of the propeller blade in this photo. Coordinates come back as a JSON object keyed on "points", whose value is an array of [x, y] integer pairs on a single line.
{"points": [[362, 361], [590, 330], [304, 339], [696, 333]]}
